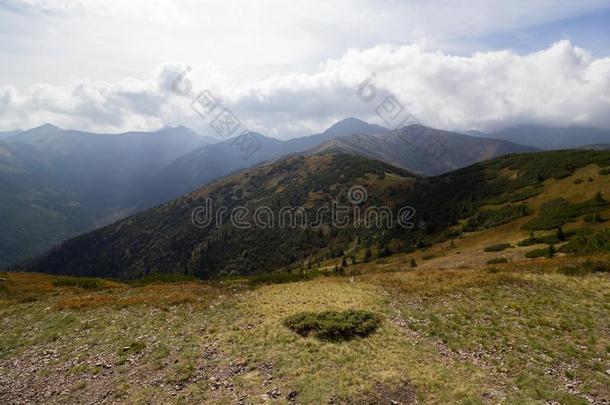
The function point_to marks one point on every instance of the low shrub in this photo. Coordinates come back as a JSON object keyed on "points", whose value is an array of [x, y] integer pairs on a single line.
{"points": [[558, 212], [498, 260], [588, 241], [532, 254], [489, 218], [333, 325], [428, 257], [605, 171], [85, 283], [551, 239], [525, 194], [532, 240], [498, 247], [587, 267]]}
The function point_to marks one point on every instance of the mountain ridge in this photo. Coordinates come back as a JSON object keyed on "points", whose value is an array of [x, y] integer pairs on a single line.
{"points": [[423, 149], [172, 238]]}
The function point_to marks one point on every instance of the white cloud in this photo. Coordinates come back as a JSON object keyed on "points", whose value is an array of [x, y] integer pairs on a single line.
{"points": [[560, 85], [63, 41]]}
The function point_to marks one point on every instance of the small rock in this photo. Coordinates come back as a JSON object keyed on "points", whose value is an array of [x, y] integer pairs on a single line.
{"points": [[274, 393]]}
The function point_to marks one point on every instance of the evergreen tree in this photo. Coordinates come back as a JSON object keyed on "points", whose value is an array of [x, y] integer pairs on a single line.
{"points": [[551, 252], [343, 262], [413, 262]]}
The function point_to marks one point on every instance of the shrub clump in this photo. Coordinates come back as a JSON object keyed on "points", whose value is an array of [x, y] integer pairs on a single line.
{"points": [[558, 212], [498, 260], [589, 266], [333, 325], [490, 218], [532, 254], [80, 282], [588, 241], [498, 247]]}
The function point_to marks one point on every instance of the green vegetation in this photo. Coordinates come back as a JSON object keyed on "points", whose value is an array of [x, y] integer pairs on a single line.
{"points": [[558, 212], [532, 254], [605, 171], [536, 240], [497, 247], [164, 240], [497, 260], [490, 218], [516, 196], [334, 326], [586, 267], [588, 241]]}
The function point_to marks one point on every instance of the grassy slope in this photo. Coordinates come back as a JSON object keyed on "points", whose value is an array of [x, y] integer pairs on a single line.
{"points": [[520, 334], [468, 249]]}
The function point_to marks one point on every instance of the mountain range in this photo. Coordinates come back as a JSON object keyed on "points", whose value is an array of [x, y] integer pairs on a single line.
{"points": [[57, 183], [198, 234], [548, 137], [423, 150]]}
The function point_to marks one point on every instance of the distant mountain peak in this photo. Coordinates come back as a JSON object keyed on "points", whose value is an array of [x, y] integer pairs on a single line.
{"points": [[353, 125], [47, 127], [176, 128]]}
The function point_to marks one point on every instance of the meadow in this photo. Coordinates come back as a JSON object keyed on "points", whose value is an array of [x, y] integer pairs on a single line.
{"points": [[520, 332]]}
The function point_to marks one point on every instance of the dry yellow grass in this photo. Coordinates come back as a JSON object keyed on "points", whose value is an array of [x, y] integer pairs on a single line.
{"points": [[155, 294]]}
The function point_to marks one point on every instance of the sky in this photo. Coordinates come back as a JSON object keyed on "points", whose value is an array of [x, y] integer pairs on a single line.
{"points": [[293, 68]]}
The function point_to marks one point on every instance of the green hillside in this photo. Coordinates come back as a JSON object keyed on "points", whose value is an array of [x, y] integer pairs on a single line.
{"points": [[482, 196]]}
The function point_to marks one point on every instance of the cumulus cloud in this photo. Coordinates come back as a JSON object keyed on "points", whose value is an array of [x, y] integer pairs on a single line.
{"points": [[561, 85]]}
